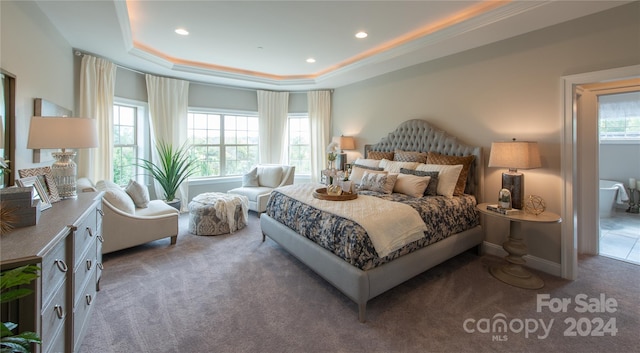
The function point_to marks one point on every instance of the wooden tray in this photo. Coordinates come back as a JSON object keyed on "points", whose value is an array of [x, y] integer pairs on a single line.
{"points": [[322, 195]]}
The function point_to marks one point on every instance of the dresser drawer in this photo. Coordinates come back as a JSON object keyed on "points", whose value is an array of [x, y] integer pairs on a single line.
{"points": [[53, 317], [85, 234], [81, 313], [54, 269], [85, 268]]}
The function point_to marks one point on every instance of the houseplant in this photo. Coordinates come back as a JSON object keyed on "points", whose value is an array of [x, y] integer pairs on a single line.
{"points": [[174, 167], [9, 291]]}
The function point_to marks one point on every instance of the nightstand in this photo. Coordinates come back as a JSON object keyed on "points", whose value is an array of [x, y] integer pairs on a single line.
{"points": [[513, 272]]}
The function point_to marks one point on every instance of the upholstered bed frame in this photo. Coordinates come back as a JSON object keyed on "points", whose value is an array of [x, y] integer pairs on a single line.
{"points": [[359, 285]]}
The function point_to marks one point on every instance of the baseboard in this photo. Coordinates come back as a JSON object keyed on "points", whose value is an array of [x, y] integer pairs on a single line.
{"points": [[533, 262]]}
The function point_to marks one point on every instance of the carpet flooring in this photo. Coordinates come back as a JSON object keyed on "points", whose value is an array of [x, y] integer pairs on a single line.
{"points": [[235, 293]]}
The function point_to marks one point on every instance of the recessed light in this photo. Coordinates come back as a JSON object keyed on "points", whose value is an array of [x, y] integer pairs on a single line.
{"points": [[182, 31], [361, 35], [311, 60]]}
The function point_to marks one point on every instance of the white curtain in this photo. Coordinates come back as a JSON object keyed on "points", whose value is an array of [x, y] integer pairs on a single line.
{"points": [[273, 109], [97, 87], [168, 108], [319, 103]]}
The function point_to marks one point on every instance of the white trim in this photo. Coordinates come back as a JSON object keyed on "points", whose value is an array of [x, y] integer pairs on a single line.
{"points": [[533, 262], [571, 169]]}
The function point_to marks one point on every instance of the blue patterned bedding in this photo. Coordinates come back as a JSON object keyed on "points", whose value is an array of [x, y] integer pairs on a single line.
{"points": [[348, 240]]}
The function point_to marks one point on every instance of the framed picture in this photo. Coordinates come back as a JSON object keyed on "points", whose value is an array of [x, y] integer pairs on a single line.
{"points": [[40, 193], [46, 180]]}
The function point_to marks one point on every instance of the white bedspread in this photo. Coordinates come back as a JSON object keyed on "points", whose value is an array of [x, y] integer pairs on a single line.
{"points": [[390, 225]]}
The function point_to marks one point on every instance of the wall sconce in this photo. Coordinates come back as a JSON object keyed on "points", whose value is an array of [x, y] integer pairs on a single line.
{"points": [[63, 133], [514, 155], [346, 143]]}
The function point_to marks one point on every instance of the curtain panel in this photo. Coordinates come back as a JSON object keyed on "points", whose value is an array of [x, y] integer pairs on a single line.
{"points": [[273, 109], [97, 87], [319, 103], [168, 109]]}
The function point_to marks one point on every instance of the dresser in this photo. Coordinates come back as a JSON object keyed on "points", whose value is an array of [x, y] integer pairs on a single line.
{"points": [[67, 245]]}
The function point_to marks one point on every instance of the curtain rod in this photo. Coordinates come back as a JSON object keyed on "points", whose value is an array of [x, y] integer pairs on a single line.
{"points": [[81, 53]]}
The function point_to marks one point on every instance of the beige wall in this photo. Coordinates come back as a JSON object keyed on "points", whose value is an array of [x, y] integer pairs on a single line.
{"points": [[497, 92], [42, 61]]}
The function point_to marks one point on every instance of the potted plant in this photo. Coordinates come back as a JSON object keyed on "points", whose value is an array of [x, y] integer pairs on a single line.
{"points": [[10, 281], [175, 166]]}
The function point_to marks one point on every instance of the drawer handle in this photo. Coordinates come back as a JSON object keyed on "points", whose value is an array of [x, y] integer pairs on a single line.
{"points": [[101, 238], [59, 311], [101, 212], [90, 231], [100, 266], [89, 299], [89, 264], [61, 265]]}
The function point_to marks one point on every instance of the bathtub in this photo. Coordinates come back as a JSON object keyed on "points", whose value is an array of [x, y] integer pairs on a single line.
{"points": [[608, 194]]}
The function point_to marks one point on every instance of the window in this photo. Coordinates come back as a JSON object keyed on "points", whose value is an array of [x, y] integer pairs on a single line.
{"points": [[299, 138], [619, 116], [223, 144], [125, 148]]}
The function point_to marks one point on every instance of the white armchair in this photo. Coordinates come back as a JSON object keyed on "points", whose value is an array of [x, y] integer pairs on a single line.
{"points": [[261, 180], [125, 224]]}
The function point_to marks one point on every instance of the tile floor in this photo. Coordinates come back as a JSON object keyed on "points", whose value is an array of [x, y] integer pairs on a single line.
{"points": [[620, 236]]}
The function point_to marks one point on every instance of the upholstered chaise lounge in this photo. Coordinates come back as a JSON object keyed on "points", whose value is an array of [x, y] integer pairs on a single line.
{"points": [[260, 181], [127, 223]]}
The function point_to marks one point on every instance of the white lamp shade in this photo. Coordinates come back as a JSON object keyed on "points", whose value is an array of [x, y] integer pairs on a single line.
{"points": [[515, 155], [62, 132], [347, 143]]}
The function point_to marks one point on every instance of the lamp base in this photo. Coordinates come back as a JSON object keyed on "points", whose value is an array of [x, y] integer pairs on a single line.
{"points": [[514, 182], [64, 172], [342, 161]]}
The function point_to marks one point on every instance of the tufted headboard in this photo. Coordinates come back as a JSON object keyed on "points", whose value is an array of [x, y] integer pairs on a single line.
{"points": [[418, 135]]}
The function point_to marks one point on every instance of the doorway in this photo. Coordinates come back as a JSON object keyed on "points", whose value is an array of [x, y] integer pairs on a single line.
{"points": [[618, 112]]}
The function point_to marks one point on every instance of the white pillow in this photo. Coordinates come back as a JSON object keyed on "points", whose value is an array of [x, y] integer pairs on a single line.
{"points": [[447, 176], [251, 178], [395, 166], [120, 200], [139, 193], [358, 172], [269, 176], [379, 182], [375, 163], [411, 185]]}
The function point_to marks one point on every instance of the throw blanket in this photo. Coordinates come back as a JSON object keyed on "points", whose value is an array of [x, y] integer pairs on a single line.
{"points": [[390, 225], [225, 206]]}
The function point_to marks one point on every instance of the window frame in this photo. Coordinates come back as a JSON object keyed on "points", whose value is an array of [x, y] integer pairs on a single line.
{"points": [[142, 135], [298, 116]]}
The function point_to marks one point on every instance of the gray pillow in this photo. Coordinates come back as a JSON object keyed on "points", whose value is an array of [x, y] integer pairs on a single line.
{"points": [[251, 178], [139, 193], [432, 188]]}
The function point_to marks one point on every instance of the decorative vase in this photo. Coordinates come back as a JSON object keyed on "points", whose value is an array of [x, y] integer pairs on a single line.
{"points": [[504, 199]]}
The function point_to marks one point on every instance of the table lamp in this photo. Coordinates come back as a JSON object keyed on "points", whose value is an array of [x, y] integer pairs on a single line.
{"points": [[514, 155], [346, 143], [63, 133]]}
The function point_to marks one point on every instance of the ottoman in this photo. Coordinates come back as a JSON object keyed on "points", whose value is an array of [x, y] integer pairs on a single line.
{"points": [[215, 213]]}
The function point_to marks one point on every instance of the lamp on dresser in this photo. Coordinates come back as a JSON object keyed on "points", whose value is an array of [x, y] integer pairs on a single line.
{"points": [[514, 155], [63, 133], [346, 143]]}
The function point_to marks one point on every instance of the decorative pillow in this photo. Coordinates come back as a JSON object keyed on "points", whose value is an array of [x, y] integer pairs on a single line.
{"points": [[432, 188], [139, 193], [375, 163], [394, 167], [357, 171], [379, 155], [447, 176], [410, 156], [269, 176], [117, 197], [251, 178], [411, 185], [378, 181], [436, 158]]}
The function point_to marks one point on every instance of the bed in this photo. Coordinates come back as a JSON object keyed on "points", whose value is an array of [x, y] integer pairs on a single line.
{"points": [[361, 274]]}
